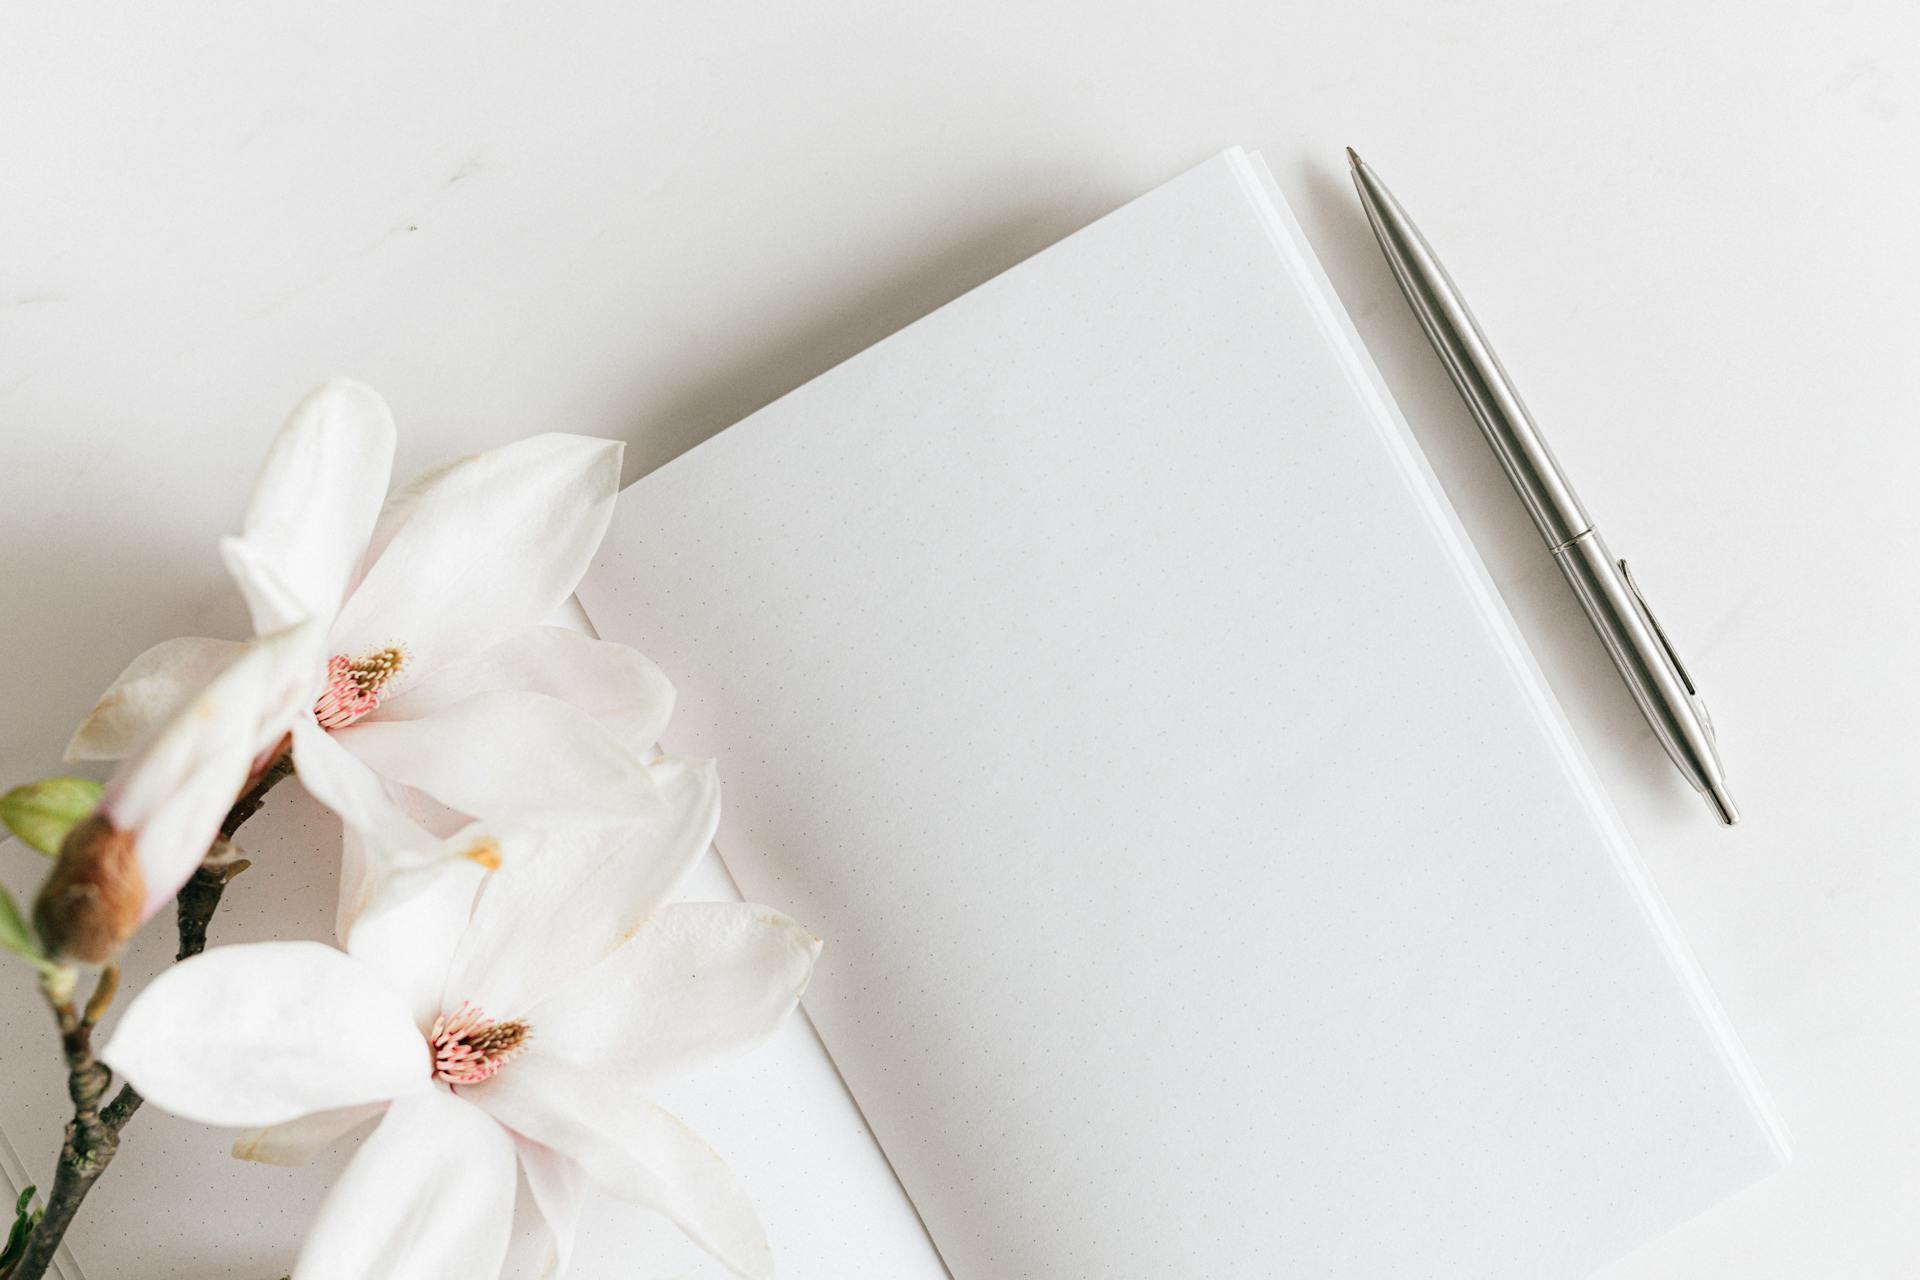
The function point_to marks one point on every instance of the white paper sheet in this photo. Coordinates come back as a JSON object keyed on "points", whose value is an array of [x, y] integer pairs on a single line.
{"points": [[1211, 886]]}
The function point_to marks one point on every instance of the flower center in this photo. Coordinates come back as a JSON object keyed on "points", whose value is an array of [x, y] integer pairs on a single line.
{"points": [[355, 685], [468, 1046]]}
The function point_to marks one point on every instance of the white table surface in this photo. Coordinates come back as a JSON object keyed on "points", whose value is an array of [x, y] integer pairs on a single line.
{"points": [[1688, 226]]}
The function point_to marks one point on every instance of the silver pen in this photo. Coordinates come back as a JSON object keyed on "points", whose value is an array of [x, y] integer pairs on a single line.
{"points": [[1613, 603]]}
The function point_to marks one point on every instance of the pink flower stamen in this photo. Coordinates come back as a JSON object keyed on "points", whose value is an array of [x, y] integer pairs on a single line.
{"points": [[356, 686], [469, 1047]]}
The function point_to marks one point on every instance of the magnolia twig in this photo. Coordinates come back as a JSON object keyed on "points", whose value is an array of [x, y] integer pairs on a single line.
{"points": [[256, 795], [90, 1141], [93, 1135]]}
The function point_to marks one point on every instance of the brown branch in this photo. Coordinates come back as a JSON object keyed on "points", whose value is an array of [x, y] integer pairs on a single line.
{"points": [[256, 795], [93, 1134], [89, 1146]]}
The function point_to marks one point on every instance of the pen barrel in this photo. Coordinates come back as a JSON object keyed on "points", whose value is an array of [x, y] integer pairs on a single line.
{"points": [[1671, 705], [1522, 451], [1476, 371]]}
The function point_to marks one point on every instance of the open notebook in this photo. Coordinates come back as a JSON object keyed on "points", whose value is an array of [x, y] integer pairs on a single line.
{"points": [[1211, 885]]}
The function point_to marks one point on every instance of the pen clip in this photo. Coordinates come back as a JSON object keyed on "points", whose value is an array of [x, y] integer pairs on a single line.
{"points": [[1666, 643]]}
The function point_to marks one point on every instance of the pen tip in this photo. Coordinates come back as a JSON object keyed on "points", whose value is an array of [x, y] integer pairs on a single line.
{"points": [[1353, 157], [1722, 802]]}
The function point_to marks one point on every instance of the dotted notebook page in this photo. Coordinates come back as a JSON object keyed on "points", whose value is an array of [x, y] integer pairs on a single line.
{"points": [[1207, 888]]}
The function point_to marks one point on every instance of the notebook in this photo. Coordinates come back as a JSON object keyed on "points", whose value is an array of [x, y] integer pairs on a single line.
{"points": [[1211, 885]]}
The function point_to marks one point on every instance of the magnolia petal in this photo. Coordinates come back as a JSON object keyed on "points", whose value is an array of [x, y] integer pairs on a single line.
{"points": [[510, 756], [267, 594], [559, 1190], [384, 851], [429, 1193], [410, 935], [336, 778], [623, 692], [266, 1032], [560, 908], [314, 505], [483, 546], [358, 875], [297, 1141], [532, 1253], [699, 981], [632, 1150], [430, 814], [152, 688], [174, 791]]}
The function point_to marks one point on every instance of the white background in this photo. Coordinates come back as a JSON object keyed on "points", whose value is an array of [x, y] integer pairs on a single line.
{"points": [[1689, 228]]}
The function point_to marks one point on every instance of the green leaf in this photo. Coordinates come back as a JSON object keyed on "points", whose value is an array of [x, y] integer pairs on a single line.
{"points": [[16, 937], [41, 813], [24, 1221]]}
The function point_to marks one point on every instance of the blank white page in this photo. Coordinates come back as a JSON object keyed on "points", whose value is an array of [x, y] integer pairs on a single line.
{"points": [[1210, 885]]}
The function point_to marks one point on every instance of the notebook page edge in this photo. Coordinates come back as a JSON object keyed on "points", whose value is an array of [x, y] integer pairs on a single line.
{"points": [[800, 1010], [1290, 241]]}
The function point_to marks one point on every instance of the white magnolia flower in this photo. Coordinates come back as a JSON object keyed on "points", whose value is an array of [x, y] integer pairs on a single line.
{"points": [[526, 1024], [162, 809], [438, 677]]}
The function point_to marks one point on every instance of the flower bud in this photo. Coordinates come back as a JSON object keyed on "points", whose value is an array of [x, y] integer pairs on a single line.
{"points": [[160, 813], [95, 897]]}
